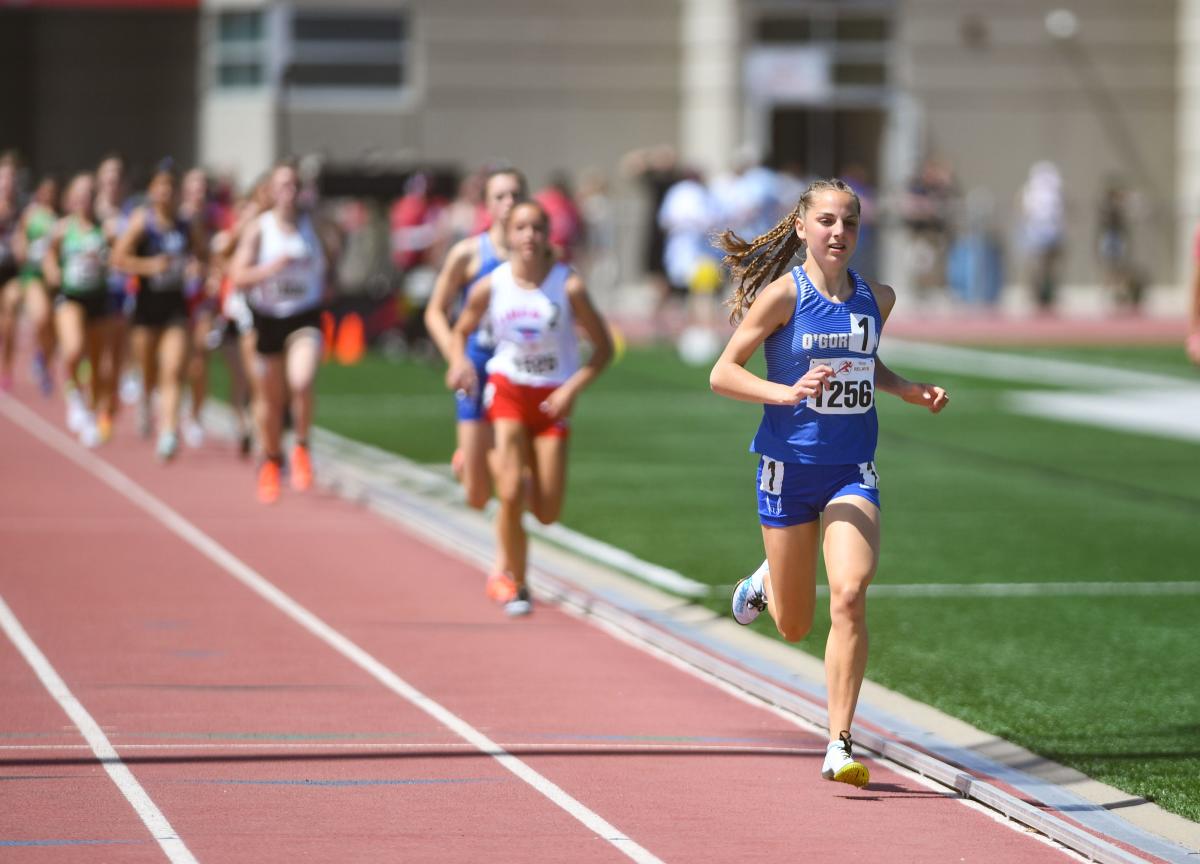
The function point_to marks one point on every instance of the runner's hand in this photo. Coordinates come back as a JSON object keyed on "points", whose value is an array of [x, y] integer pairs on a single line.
{"points": [[815, 380], [927, 396], [558, 404], [461, 377]]}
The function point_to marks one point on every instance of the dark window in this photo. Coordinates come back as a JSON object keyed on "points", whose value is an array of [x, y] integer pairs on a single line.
{"points": [[775, 30], [338, 28], [347, 74], [863, 29], [239, 26], [859, 74]]}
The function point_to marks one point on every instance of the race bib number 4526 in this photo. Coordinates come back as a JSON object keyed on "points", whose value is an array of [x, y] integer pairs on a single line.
{"points": [[851, 388]]}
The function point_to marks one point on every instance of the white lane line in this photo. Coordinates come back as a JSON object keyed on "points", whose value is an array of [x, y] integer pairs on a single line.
{"points": [[97, 741], [218, 554], [536, 747]]}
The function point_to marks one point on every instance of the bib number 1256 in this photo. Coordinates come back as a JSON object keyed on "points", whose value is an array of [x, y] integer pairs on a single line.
{"points": [[851, 388]]}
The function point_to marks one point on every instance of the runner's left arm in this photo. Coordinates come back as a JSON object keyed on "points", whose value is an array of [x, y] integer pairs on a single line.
{"points": [[559, 403]]}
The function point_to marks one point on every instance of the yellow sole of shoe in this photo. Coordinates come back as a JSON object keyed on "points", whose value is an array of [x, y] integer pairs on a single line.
{"points": [[856, 774]]}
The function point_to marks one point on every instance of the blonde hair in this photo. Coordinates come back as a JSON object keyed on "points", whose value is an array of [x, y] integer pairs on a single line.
{"points": [[758, 262]]}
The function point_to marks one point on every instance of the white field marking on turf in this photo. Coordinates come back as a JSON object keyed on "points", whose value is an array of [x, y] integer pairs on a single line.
{"points": [[1012, 367], [1173, 413], [97, 742], [242, 572], [622, 635]]}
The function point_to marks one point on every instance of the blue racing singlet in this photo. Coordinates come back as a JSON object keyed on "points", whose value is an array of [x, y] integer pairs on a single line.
{"points": [[481, 344], [170, 240], [838, 427]]}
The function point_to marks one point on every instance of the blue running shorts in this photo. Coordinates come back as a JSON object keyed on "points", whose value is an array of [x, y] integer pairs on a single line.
{"points": [[790, 493], [469, 406]]}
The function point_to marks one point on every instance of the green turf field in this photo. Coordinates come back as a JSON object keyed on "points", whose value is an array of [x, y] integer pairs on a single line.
{"points": [[1107, 684]]}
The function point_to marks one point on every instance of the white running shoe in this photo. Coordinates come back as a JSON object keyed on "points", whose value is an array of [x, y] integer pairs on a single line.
{"points": [[168, 446], [130, 390], [77, 413], [193, 432], [840, 764], [519, 605], [749, 596], [89, 431]]}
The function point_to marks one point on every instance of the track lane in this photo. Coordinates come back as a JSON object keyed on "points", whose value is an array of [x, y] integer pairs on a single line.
{"points": [[630, 736]]}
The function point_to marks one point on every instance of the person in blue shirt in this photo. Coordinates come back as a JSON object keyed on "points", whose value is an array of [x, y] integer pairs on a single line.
{"points": [[819, 324]]}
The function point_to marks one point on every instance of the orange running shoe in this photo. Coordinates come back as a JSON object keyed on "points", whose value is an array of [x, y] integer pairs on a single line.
{"points": [[301, 468], [500, 587], [268, 482]]}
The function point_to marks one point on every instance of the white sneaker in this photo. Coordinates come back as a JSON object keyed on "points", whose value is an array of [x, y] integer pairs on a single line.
{"points": [[130, 390], [89, 432], [749, 596], [77, 413], [519, 605], [168, 446], [193, 432], [840, 764]]}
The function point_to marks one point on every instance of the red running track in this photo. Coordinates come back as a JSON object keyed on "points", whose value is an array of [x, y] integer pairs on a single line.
{"points": [[259, 742]]}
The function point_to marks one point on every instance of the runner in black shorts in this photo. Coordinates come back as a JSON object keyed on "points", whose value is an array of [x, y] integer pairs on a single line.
{"points": [[161, 251]]}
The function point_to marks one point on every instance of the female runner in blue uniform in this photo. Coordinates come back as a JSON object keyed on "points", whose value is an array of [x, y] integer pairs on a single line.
{"points": [[819, 325], [468, 261]]}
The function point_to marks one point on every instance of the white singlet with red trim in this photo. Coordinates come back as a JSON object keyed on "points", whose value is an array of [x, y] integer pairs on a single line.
{"points": [[534, 329], [300, 285]]}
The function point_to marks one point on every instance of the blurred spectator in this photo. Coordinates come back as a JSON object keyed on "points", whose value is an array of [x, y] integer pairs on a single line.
{"points": [[600, 264], [1193, 337], [748, 199], [566, 222], [927, 209], [689, 214], [975, 268], [1042, 230], [414, 221], [1114, 245], [657, 170], [466, 215], [866, 256]]}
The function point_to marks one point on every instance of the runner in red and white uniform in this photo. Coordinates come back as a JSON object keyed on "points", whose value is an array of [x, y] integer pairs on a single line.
{"points": [[533, 304]]}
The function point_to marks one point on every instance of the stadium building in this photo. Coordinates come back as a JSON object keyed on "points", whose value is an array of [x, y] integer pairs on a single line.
{"points": [[1108, 88]]}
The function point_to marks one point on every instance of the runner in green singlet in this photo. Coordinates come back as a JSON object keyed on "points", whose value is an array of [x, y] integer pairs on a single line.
{"points": [[77, 263], [30, 242]]}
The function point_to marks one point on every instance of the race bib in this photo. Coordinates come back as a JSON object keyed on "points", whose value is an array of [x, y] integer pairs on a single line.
{"points": [[851, 388], [84, 270], [536, 364]]}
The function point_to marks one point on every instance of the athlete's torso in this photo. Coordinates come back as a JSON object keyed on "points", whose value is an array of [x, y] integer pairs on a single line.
{"points": [[299, 287], [84, 256], [839, 426], [162, 238], [37, 237], [534, 329]]}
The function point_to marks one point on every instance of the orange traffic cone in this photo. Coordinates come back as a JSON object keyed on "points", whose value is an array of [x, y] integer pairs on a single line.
{"points": [[350, 344]]}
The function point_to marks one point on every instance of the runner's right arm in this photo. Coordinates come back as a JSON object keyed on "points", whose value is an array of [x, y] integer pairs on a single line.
{"points": [[450, 280]]}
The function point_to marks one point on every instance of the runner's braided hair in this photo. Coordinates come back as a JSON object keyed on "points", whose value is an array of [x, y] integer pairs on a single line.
{"points": [[755, 263]]}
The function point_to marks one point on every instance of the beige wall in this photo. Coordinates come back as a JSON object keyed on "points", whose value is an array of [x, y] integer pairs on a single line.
{"points": [[1018, 97], [546, 85]]}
